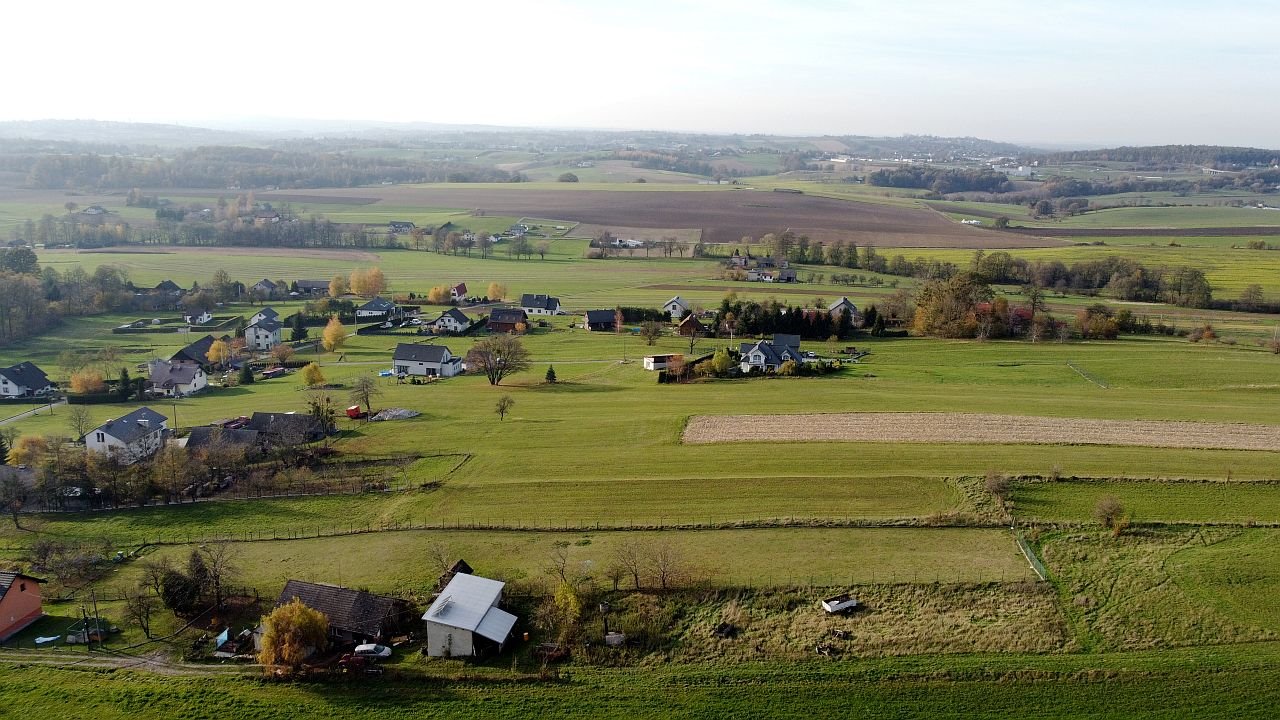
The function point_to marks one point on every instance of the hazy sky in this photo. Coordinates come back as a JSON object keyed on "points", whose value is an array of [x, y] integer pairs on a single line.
{"points": [[1123, 71]]}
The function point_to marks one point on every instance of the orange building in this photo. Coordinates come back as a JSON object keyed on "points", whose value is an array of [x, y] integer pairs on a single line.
{"points": [[19, 603]]}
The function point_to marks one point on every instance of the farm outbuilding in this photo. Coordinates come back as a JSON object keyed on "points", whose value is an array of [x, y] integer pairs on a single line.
{"points": [[465, 619]]}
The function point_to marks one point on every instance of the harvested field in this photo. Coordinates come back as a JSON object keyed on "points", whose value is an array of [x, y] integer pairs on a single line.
{"points": [[358, 256], [894, 427], [724, 216]]}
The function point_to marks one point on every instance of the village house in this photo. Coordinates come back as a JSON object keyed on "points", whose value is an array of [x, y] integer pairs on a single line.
{"points": [[19, 603], [176, 379], [265, 313], [134, 437], [206, 436], [401, 226], [197, 352], [263, 334], [600, 320], [266, 217], [265, 288], [676, 307], [425, 360], [507, 320], [378, 307], [168, 287], [766, 356], [201, 317], [24, 380], [843, 305], [458, 292], [661, 362], [452, 320], [286, 429], [692, 326], [465, 620], [540, 305], [313, 288], [355, 616]]}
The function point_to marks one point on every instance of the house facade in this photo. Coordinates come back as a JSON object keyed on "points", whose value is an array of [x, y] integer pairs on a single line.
{"points": [[465, 620], [198, 318], [425, 360], [845, 306], [176, 379], [458, 292], [452, 320], [600, 320], [507, 320], [265, 288], [24, 380], [263, 335], [134, 437], [540, 305], [377, 307], [766, 356], [676, 307], [20, 603], [692, 326]]}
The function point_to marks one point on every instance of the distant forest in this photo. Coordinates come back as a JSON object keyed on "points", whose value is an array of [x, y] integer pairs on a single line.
{"points": [[940, 180], [1168, 157]]}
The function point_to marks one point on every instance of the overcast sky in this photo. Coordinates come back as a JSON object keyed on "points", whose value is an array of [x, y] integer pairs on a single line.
{"points": [[1085, 72]]}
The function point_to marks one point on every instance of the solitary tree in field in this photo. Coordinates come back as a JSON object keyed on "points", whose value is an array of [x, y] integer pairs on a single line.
{"points": [[1108, 511], [13, 494], [542, 249], [139, 604], [312, 375], [498, 356], [504, 406], [551, 375], [292, 631], [79, 420], [1035, 299], [651, 330], [363, 391], [335, 334], [281, 353]]}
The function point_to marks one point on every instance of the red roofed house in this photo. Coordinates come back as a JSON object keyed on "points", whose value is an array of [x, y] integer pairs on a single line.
{"points": [[458, 292]]}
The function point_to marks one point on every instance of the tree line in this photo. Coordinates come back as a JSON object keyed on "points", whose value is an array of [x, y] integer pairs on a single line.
{"points": [[940, 180]]}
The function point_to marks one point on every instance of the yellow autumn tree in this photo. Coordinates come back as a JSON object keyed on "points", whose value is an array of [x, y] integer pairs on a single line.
{"points": [[497, 291], [219, 352], [88, 381], [291, 633], [312, 375], [335, 334], [28, 450], [374, 281], [438, 295], [338, 286]]}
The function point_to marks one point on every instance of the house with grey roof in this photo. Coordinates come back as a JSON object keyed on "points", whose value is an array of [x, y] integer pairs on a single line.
{"points": [[425, 360], [676, 307], [263, 334], [845, 306], [24, 380], [540, 305], [465, 620], [355, 616], [452, 320], [767, 356], [600, 320], [134, 437], [176, 379]]}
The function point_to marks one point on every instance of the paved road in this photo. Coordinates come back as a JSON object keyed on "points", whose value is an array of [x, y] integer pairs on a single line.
{"points": [[33, 411]]}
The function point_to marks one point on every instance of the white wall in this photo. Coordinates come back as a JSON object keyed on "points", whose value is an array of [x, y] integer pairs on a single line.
{"points": [[445, 640]]}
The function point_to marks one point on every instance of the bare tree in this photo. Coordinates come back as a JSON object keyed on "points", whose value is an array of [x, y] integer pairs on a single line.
{"points": [[1108, 511], [666, 564], [438, 555], [13, 494], [79, 420], [154, 572], [629, 555], [363, 391], [139, 604], [220, 566], [504, 406], [498, 356]]}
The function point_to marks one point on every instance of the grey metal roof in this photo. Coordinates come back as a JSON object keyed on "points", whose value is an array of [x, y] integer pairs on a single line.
{"points": [[169, 374], [196, 352], [840, 304], [26, 374], [206, 435], [456, 314], [465, 601], [601, 316], [421, 353], [131, 427], [268, 324], [507, 315], [268, 312], [378, 303], [354, 611], [545, 302], [791, 341]]}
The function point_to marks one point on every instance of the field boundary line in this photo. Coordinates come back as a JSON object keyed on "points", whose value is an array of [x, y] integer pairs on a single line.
{"points": [[1088, 376], [1030, 554]]}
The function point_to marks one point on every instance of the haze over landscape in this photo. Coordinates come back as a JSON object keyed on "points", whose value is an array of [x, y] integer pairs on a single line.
{"points": [[1084, 73]]}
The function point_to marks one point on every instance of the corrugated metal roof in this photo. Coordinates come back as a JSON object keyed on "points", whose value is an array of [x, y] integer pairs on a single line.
{"points": [[496, 625], [465, 601]]}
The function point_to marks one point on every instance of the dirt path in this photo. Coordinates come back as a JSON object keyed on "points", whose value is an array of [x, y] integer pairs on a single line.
{"points": [[979, 429]]}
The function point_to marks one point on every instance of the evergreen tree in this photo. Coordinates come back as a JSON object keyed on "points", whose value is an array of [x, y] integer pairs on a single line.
{"points": [[551, 374], [299, 332], [246, 374], [125, 388]]}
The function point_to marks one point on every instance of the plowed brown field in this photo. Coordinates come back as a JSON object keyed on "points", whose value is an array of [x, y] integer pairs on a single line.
{"points": [[891, 427]]}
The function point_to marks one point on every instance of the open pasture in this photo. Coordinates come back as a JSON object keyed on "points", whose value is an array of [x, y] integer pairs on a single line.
{"points": [[1073, 501]]}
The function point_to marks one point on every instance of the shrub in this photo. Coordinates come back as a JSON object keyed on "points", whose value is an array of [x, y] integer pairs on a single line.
{"points": [[1109, 511], [997, 484]]}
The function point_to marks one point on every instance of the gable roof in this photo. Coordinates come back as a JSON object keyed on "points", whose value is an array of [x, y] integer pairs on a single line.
{"points": [[278, 424], [168, 286], [197, 352], [543, 302], [134, 426], [677, 300], [265, 283], [268, 312], [459, 289], [313, 284], [26, 374], [508, 315], [7, 579], [206, 435], [773, 354], [348, 610], [692, 319], [606, 317], [421, 353], [457, 315], [269, 324], [172, 374], [791, 341], [378, 303], [467, 603], [841, 304]]}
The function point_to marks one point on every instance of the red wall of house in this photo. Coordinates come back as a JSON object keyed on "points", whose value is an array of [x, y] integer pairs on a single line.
{"points": [[19, 607]]}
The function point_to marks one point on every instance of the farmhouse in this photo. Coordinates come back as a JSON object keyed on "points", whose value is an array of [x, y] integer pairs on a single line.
{"points": [[206, 436], [134, 437], [197, 352], [401, 226], [426, 360], [506, 320], [286, 429], [465, 620], [263, 334], [766, 356], [355, 616], [266, 217], [540, 305], [458, 292], [376, 308], [167, 287], [265, 287], [676, 307], [176, 379], [600, 320], [843, 305], [452, 320], [690, 325], [19, 603], [197, 318], [312, 287], [24, 380]]}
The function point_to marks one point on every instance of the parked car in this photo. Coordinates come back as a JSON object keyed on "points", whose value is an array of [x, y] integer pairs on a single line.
{"points": [[371, 650]]}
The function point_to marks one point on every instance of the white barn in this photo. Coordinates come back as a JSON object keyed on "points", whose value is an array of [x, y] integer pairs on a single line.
{"points": [[465, 619]]}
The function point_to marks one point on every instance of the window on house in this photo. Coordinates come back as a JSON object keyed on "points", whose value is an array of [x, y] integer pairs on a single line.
{"points": [[102, 437]]}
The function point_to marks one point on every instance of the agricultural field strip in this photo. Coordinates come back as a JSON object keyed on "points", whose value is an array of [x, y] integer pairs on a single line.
{"points": [[978, 428]]}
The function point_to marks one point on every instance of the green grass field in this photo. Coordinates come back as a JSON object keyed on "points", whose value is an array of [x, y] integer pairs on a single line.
{"points": [[1172, 502]]}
